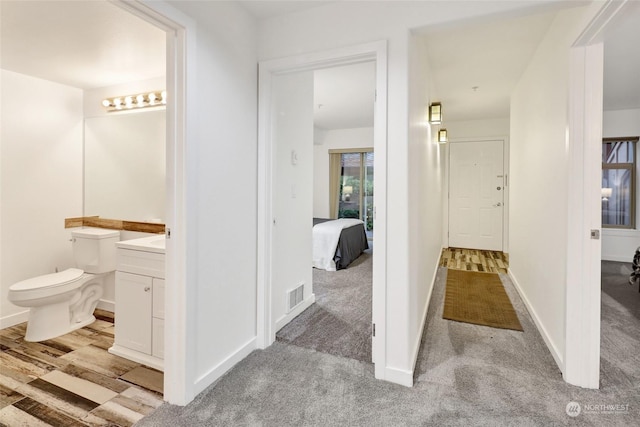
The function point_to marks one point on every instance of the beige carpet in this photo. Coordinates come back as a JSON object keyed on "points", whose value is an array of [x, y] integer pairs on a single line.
{"points": [[478, 298]]}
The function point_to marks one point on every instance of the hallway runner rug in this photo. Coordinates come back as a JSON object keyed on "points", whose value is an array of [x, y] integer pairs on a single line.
{"points": [[478, 298]]}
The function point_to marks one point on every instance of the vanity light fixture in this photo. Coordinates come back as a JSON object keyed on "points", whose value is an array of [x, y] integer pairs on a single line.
{"points": [[442, 136], [435, 113], [130, 102]]}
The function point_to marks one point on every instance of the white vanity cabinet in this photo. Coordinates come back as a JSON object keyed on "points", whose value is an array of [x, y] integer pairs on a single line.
{"points": [[139, 313]]}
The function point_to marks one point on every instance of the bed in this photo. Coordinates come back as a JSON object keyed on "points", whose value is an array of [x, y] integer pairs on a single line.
{"points": [[337, 243]]}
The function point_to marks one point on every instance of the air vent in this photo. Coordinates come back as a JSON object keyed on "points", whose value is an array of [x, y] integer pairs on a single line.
{"points": [[295, 296]]}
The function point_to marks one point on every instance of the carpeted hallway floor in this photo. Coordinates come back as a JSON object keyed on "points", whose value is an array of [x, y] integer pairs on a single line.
{"points": [[465, 375]]}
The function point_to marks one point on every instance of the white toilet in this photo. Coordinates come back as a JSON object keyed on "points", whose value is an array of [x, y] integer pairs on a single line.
{"points": [[62, 302]]}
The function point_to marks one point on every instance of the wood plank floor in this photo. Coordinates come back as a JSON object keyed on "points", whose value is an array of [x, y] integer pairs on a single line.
{"points": [[72, 380], [474, 260]]}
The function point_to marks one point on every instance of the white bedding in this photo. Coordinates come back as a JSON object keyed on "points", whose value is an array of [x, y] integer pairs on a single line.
{"points": [[325, 241]]}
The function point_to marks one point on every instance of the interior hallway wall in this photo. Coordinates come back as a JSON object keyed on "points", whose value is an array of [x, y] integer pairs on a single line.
{"points": [[539, 163], [220, 190], [425, 186], [621, 244], [41, 181], [333, 139], [340, 24]]}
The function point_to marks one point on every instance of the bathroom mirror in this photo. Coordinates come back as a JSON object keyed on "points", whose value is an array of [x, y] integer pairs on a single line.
{"points": [[124, 166]]}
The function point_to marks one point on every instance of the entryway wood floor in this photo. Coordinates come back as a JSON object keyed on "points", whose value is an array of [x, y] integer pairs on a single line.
{"points": [[474, 260], [72, 380]]}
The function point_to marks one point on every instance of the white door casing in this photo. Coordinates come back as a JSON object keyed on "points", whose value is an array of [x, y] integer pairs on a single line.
{"points": [[476, 194], [375, 51]]}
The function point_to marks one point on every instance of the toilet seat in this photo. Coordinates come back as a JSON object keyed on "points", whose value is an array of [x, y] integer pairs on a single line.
{"points": [[45, 285]]}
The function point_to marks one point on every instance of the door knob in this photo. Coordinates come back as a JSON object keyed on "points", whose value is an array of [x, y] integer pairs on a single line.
{"points": [[147, 288], [499, 188], [497, 205]]}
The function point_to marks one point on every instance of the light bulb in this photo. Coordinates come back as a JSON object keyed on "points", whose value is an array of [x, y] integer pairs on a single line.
{"points": [[140, 99], [164, 96], [128, 101], [152, 97], [106, 103], [117, 102]]}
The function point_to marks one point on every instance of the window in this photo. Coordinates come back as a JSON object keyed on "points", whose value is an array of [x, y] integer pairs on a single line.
{"points": [[352, 181], [618, 182]]}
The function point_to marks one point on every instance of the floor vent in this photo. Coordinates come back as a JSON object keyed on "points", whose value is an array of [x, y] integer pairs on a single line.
{"points": [[296, 296]]}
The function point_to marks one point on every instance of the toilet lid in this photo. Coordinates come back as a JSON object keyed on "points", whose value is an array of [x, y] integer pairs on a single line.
{"points": [[48, 280]]}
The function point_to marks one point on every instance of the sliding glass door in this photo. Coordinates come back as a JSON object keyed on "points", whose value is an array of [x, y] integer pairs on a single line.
{"points": [[356, 188]]}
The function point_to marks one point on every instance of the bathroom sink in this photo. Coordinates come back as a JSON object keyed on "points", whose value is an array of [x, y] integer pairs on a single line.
{"points": [[147, 244]]}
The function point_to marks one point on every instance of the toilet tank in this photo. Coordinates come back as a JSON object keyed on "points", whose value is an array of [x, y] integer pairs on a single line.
{"points": [[94, 249]]}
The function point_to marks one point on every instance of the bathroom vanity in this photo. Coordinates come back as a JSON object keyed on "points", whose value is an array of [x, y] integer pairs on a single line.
{"points": [[139, 315]]}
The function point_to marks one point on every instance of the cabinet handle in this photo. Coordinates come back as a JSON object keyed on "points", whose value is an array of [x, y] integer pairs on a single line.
{"points": [[147, 288]]}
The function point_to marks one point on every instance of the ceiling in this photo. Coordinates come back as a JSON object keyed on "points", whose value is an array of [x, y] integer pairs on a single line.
{"points": [[489, 57], [90, 44], [84, 44], [264, 9]]}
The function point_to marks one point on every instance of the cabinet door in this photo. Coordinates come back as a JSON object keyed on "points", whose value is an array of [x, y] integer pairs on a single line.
{"points": [[133, 311]]}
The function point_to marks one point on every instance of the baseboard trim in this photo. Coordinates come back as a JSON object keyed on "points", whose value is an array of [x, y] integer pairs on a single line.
{"points": [[14, 319], [281, 322], [136, 356], [220, 369], [425, 310], [399, 376], [541, 329], [107, 305]]}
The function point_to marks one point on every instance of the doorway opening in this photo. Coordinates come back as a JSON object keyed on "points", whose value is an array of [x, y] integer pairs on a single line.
{"points": [[339, 320], [283, 189]]}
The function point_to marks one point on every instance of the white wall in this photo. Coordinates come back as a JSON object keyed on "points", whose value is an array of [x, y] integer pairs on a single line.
{"points": [[332, 26], [539, 179], [221, 188], [477, 128], [41, 182], [292, 191], [425, 192], [333, 139], [619, 244]]}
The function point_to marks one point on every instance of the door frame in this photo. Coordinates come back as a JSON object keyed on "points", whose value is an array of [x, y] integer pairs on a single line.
{"points": [[179, 362], [445, 188], [376, 52], [584, 254]]}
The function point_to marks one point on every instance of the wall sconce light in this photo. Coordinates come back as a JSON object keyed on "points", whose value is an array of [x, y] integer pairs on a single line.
{"points": [[130, 102], [435, 113], [442, 136], [606, 193]]}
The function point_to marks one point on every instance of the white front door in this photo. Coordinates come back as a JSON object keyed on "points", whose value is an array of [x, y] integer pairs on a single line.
{"points": [[476, 195]]}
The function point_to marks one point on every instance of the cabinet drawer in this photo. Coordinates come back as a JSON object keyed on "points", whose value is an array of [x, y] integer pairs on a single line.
{"points": [[140, 262], [158, 298]]}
